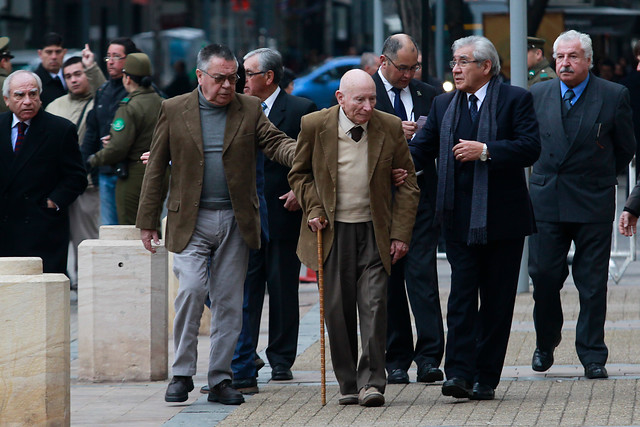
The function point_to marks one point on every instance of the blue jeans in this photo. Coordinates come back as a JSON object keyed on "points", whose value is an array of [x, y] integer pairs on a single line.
{"points": [[108, 212]]}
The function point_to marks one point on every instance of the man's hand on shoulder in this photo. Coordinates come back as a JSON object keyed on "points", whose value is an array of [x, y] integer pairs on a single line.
{"points": [[398, 250], [147, 236]]}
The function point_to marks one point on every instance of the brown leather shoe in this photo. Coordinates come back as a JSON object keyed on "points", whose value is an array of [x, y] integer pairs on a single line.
{"points": [[370, 396]]}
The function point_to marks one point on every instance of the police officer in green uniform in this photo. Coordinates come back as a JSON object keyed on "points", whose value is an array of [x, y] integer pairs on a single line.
{"points": [[5, 67], [539, 68], [130, 136]]}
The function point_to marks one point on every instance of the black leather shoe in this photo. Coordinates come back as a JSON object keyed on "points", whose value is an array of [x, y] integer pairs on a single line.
{"points": [[542, 360], [259, 363], [205, 389], [225, 394], [456, 387], [429, 373], [281, 373], [398, 376], [595, 370], [178, 389], [482, 392]]}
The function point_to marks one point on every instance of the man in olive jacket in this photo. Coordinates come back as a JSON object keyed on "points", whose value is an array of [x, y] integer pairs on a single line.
{"points": [[340, 176], [211, 136]]}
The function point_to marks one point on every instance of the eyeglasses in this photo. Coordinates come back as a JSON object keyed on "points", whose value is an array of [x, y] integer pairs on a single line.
{"points": [[462, 63], [404, 68], [250, 74], [114, 58], [220, 78]]}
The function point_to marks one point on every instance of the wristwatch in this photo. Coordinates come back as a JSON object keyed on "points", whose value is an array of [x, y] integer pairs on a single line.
{"points": [[483, 155]]}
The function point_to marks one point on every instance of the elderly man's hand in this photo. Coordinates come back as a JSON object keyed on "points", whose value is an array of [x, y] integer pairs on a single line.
{"points": [[316, 224], [627, 224], [398, 250], [147, 236], [398, 176], [291, 203], [145, 157], [468, 151]]}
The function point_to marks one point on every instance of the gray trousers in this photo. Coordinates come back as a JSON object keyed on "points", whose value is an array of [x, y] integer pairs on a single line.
{"points": [[84, 219], [355, 277], [214, 262]]}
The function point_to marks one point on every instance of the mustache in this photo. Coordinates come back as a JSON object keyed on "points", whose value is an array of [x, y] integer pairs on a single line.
{"points": [[566, 70]]}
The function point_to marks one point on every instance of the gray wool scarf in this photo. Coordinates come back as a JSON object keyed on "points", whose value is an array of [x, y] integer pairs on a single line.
{"points": [[487, 131]]}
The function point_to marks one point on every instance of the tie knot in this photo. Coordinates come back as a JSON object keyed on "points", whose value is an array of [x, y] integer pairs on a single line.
{"points": [[356, 133], [22, 126], [264, 106], [568, 95], [473, 99], [396, 90]]}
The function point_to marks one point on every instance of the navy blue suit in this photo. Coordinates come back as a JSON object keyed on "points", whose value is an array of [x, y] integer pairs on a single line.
{"points": [[418, 267], [477, 337]]}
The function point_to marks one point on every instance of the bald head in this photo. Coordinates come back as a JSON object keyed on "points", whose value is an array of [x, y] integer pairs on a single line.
{"points": [[399, 60], [357, 96]]}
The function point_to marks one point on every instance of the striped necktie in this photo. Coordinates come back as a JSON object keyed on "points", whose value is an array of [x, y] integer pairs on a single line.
{"points": [[473, 107], [22, 127]]}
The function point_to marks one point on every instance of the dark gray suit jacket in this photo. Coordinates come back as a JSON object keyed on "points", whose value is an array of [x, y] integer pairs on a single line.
{"points": [[574, 181]]}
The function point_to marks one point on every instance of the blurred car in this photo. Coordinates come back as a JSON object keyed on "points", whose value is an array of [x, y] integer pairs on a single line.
{"points": [[321, 83]]}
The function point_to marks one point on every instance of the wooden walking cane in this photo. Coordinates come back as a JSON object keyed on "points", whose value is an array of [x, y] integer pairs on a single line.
{"points": [[323, 384]]}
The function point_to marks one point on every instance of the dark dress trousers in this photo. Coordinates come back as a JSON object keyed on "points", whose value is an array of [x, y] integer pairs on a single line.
{"points": [[279, 266], [572, 188], [418, 268], [48, 166], [52, 88], [477, 337]]}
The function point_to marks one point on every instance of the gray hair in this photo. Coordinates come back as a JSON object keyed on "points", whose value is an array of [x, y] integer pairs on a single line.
{"points": [[368, 59], [214, 50], [7, 82], [483, 50], [584, 39], [394, 43], [268, 60]]}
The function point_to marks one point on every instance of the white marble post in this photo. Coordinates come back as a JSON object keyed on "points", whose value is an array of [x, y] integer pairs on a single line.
{"points": [[34, 344], [122, 308]]}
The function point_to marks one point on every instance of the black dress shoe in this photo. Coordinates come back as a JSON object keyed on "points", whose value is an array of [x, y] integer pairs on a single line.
{"points": [[243, 385], [542, 360], [178, 389], [398, 376], [482, 392], [281, 373], [595, 370], [429, 373], [258, 362], [225, 394], [456, 387]]}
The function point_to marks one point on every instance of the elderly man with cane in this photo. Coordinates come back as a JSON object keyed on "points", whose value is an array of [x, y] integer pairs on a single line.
{"points": [[341, 172]]}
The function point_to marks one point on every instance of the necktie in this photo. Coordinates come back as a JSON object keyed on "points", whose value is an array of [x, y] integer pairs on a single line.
{"points": [[398, 106], [356, 133], [473, 107], [22, 127], [568, 96]]}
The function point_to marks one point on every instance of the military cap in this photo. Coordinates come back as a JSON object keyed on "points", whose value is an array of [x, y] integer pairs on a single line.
{"points": [[535, 43], [137, 64], [4, 48]]}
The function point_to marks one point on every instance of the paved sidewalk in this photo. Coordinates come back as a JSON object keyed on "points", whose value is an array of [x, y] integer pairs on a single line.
{"points": [[561, 396]]}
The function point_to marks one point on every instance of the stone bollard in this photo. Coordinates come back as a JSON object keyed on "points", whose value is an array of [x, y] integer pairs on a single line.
{"points": [[122, 308], [34, 344], [174, 283]]}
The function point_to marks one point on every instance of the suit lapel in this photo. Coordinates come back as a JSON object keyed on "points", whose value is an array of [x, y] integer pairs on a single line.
{"points": [[235, 115], [593, 104], [33, 141], [192, 120], [375, 140], [278, 109], [417, 98], [383, 103], [329, 142]]}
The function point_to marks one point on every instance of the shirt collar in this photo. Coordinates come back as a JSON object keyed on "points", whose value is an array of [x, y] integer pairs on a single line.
{"points": [[388, 86], [16, 120], [480, 94], [347, 124], [576, 90], [271, 100]]}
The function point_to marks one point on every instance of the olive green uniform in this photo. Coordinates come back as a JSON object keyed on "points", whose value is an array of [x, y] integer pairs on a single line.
{"points": [[3, 77], [540, 72], [131, 133]]}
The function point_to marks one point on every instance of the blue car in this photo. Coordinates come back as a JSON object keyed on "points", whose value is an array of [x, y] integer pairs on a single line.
{"points": [[321, 83]]}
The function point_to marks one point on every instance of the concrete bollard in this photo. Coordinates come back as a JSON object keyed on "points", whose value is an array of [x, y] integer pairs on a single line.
{"points": [[122, 308], [34, 344], [174, 284]]}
